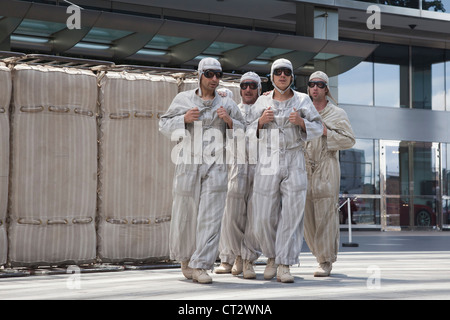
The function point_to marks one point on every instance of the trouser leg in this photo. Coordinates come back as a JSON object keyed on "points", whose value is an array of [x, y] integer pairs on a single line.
{"points": [[210, 212], [235, 215], [186, 192], [325, 238], [266, 207], [250, 247], [232, 231], [310, 225], [289, 237]]}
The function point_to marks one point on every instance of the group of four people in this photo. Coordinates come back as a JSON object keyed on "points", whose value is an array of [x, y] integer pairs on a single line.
{"points": [[244, 209]]}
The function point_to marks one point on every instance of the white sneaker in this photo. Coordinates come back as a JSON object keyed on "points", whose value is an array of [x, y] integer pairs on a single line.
{"points": [[223, 268], [249, 271], [284, 275], [271, 269], [201, 276], [323, 270], [237, 266], [186, 270]]}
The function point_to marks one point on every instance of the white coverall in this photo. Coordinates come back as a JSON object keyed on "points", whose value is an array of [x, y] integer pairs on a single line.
{"points": [[199, 190], [236, 237], [322, 163], [279, 193]]}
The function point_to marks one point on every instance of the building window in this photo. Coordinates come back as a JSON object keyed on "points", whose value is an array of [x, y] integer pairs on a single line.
{"points": [[360, 177], [445, 159], [359, 168], [411, 173], [428, 78], [387, 85], [356, 85], [382, 80]]}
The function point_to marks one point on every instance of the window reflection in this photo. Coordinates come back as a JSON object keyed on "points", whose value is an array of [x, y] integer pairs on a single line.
{"points": [[445, 152], [359, 168], [412, 183], [360, 175], [387, 85], [397, 168], [428, 69], [447, 80], [356, 85]]}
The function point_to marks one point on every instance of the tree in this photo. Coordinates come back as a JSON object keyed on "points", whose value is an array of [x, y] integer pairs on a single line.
{"points": [[426, 5]]}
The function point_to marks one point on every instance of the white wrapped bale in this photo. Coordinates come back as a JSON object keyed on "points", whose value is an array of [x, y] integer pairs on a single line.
{"points": [[54, 166], [5, 97], [136, 172]]}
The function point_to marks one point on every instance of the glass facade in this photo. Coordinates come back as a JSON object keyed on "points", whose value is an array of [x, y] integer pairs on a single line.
{"points": [[360, 176], [398, 183], [428, 5], [383, 79]]}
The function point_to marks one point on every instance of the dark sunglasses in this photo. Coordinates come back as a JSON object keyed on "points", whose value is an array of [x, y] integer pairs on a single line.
{"points": [[287, 72], [211, 73], [252, 85], [320, 84]]}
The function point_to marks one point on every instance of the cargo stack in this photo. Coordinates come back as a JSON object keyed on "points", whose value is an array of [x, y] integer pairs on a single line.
{"points": [[53, 166], [135, 167], [5, 96]]}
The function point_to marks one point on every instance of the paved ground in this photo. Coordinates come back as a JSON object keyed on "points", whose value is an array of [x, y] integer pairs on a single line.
{"points": [[385, 265]]}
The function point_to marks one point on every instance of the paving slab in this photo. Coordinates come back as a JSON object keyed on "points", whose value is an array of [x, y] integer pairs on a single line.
{"points": [[384, 266]]}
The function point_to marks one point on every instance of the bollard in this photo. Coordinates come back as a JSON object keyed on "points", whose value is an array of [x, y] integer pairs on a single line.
{"points": [[349, 220]]}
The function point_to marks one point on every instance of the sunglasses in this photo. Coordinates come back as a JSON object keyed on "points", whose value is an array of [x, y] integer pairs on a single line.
{"points": [[211, 73], [287, 72], [252, 85], [320, 84]]}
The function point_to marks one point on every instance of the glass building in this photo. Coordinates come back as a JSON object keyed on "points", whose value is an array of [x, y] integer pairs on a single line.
{"points": [[389, 63]]}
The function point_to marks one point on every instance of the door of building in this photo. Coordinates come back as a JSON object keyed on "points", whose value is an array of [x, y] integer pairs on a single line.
{"points": [[409, 174]]}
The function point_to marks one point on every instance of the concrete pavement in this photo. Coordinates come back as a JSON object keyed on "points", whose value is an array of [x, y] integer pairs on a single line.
{"points": [[385, 265]]}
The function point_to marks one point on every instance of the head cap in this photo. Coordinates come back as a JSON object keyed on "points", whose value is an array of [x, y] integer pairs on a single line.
{"points": [[207, 64], [281, 63], [251, 76], [322, 76]]}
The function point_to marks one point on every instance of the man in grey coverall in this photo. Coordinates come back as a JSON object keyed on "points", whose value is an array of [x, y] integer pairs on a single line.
{"points": [[279, 189], [238, 249], [200, 181]]}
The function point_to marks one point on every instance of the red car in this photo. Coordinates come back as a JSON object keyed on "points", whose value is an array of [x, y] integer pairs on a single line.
{"points": [[398, 214]]}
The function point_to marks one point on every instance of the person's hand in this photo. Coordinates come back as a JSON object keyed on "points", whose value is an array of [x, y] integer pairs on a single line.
{"points": [[325, 131], [296, 119], [223, 114], [192, 115], [266, 117], [222, 93]]}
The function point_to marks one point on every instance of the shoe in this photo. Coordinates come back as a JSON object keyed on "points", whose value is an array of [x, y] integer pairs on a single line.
{"points": [[323, 270], [284, 275], [201, 276], [186, 270], [249, 272], [223, 268], [237, 266], [271, 269]]}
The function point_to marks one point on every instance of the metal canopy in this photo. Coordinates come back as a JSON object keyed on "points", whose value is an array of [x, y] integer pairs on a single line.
{"points": [[137, 32]]}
